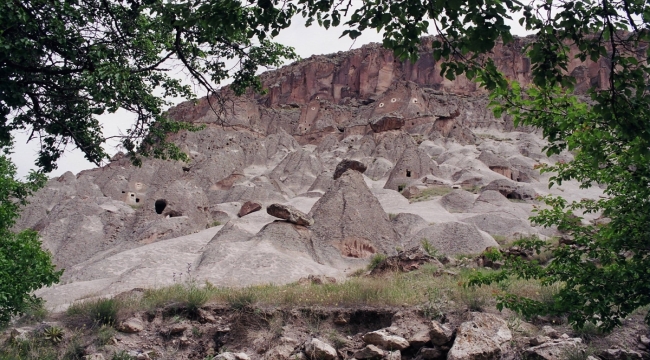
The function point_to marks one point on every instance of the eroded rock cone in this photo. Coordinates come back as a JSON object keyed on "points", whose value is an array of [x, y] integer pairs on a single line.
{"points": [[290, 213], [411, 166], [350, 222], [344, 165], [249, 207]]}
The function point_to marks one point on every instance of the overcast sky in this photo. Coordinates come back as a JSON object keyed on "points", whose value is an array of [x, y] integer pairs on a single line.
{"points": [[306, 41]]}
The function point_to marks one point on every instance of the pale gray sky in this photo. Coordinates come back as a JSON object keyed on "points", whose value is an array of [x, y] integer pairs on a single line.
{"points": [[306, 41]]}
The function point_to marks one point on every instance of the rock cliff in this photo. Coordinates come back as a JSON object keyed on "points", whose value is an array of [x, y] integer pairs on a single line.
{"points": [[418, 136]]}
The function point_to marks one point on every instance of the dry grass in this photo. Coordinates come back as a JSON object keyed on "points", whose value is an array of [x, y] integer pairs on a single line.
{"points": [[429, 193], [425, 287]]}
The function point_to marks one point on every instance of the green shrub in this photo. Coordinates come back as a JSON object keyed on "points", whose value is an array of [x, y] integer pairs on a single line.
{"points": [[242, 299], [74, 351], [375, 260]]}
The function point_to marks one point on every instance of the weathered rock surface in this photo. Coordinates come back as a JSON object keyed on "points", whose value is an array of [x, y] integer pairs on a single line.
{"points": [[458, 201], [386, 341], [131, 325], [480, 338], [553, 350], [440, 334], [319, 350], [369, 352], [454, 238], [248, 208], [387, 123]]}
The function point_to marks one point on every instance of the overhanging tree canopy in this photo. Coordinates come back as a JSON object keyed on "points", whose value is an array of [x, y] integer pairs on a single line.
{"points": [[62, 63]]}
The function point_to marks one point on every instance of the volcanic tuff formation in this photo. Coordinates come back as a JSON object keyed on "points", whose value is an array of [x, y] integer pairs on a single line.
{"points": [[416, 134]]}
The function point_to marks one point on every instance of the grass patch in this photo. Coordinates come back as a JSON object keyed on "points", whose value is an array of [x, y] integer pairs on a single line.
{"points": [[105, 335], [428, 193], [430, 249], [100, 311], [434, 292], [32, 349], [396, 289]]}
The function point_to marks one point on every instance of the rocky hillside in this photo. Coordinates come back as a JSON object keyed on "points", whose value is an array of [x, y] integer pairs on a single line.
{"points": [[347, 156]]}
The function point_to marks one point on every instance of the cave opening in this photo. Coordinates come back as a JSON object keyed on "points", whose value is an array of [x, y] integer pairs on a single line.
{"points": [[160, 205], [408, 173]]}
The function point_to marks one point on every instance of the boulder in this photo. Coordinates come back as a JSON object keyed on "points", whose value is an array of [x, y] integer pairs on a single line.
{"points": [[440, 334], [131, 326], [394, 355], [428, 353], [383, 339], [96, 356], [319, 350], [550, 332], [480, 338], [283, 351], [248, 208], [369, 352], [345, 165], [410, 325], [620, 354], [291, 214], [553, 350], [232, 356]]}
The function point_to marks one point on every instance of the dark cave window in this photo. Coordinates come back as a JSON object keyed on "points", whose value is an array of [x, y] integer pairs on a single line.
{"points": [[160, 205], [137, 200], [408, 173]]}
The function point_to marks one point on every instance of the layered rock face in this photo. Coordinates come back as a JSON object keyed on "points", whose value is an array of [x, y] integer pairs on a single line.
{"points": [[403, 131]]}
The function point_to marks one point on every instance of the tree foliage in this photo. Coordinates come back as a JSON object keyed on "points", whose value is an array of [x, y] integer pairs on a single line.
{"points": [[62, 63], [604, 269], [24, 266]]}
